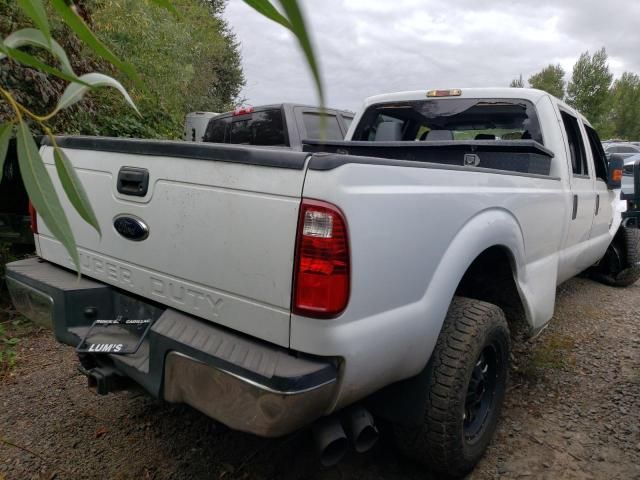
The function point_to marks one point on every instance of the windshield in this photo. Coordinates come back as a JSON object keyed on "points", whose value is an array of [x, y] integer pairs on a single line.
{"points": [[451, 119]]}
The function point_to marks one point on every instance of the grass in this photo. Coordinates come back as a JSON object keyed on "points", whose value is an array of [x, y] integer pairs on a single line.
{"points": [[9, 340], [12, 328], [6, 256], [12, 325], [554, 353]]}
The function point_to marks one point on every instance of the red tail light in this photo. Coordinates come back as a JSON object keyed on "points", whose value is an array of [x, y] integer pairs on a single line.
{"points": [[322, 270], [34, 218]]}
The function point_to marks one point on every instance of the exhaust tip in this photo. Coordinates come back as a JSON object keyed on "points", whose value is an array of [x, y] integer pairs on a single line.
{"points": [[334, 452], [362, 430], [366, 439], [331, 441]]}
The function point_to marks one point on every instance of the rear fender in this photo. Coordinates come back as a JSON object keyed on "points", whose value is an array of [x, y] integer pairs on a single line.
{"points": [[404, 402]]}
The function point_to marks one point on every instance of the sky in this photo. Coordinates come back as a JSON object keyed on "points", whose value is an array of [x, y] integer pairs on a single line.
{"points": [[369, 47]]}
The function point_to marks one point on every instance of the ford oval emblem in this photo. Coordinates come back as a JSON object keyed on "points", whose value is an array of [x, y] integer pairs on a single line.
{"points": [[131, 227]]}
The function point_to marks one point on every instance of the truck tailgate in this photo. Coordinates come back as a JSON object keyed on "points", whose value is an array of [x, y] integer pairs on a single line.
{"points": [[221, 227]]}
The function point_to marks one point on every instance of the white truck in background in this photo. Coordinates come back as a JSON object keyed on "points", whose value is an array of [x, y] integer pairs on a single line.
{"points": [[273, 289]]}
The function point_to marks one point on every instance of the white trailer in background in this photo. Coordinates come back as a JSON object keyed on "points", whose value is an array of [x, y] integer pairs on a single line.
{"points": [[195, 124]]}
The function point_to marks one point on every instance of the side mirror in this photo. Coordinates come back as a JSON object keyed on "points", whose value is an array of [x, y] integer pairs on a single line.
{"points": [[616, 166]]}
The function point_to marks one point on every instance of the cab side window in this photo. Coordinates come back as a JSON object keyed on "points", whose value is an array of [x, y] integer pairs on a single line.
{"points": [[576, 145], [599, 157], [218, 130], [313, 125]]}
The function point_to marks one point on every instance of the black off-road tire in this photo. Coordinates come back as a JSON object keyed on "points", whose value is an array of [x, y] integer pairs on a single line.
{"points": [[620, 266], [472, 328]]}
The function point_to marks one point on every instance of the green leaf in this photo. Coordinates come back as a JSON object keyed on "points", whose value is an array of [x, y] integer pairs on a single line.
{"points": [[34, 37], [266, 8], [74, 92], [35, 11], [74, 189], [77, 24], [6, 130], [299, 29], [42, 192], [31, 61], [167, 5]]}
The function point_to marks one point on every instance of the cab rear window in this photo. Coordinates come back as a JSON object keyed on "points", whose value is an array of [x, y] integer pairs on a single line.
{"points": [[265, 128], [451, 120]]}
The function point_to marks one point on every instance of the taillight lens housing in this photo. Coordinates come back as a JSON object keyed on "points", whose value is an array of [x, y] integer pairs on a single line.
{"points": [[33, 215], [322, 266]]}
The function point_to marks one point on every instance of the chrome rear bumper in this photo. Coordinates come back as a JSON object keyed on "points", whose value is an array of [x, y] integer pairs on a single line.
{"points": [[240, 403], [33, 304], [242, 382]]}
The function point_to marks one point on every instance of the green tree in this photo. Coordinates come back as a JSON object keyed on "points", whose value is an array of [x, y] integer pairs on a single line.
{"points": [[588, 89], [550, 79], [33, 88], [182, 69], [517, 82], [624, 113]]}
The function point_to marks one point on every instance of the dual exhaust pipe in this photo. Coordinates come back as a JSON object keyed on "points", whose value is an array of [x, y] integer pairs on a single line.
{"points": [[332, 442]]}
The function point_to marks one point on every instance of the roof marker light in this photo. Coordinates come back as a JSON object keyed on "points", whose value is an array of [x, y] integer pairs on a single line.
{"points": [[454, 92]]}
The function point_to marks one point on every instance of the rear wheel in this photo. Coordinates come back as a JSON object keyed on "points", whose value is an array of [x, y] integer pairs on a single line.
{"points": [[467, 379], [620, 265]]}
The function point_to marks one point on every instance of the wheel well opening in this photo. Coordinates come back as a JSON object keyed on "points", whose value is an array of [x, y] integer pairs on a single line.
{"points": [[490, 278]]}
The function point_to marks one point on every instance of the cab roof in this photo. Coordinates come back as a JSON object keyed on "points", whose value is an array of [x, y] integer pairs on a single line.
{"points": [[531, 94]]}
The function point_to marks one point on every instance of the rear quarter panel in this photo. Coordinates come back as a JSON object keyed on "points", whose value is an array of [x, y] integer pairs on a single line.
{"points": [[413, 233]]}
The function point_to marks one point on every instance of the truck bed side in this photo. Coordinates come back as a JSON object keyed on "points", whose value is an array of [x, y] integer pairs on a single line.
{"points": [[414, 230]]}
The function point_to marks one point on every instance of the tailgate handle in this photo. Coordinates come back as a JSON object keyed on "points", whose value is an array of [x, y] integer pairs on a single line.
{"points": [[133, 181]]}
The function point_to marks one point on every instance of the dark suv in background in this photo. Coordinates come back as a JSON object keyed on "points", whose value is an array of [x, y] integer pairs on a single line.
{"points": [[279, 125]]}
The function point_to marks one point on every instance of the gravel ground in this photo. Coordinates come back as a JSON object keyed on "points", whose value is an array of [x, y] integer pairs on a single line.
{"points": [[572, 412]]}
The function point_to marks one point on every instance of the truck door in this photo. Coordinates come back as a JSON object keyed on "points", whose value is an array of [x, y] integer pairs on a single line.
{"points": [[603, 213], [576, 257]]}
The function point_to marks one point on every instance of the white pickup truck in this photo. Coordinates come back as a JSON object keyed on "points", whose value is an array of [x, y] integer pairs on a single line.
{"points": [[274, 289]]}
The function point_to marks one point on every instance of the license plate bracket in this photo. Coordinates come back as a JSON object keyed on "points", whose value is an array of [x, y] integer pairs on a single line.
{"points": [[119, 336]]}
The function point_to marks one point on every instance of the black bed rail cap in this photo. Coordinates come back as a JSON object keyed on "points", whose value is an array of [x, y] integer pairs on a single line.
{"points": [[245, 154], [516, 146], [533, 163]]}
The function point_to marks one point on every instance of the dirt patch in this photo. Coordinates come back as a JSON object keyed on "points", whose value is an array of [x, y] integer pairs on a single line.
{"points": [[572, 411]]}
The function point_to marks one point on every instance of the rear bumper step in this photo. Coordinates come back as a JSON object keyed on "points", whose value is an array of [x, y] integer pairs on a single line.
{"points": [[247, 384]]}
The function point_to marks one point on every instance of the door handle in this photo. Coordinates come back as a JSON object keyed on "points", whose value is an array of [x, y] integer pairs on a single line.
{"points": [[133, 181], [575, 207], [597, 203]]}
